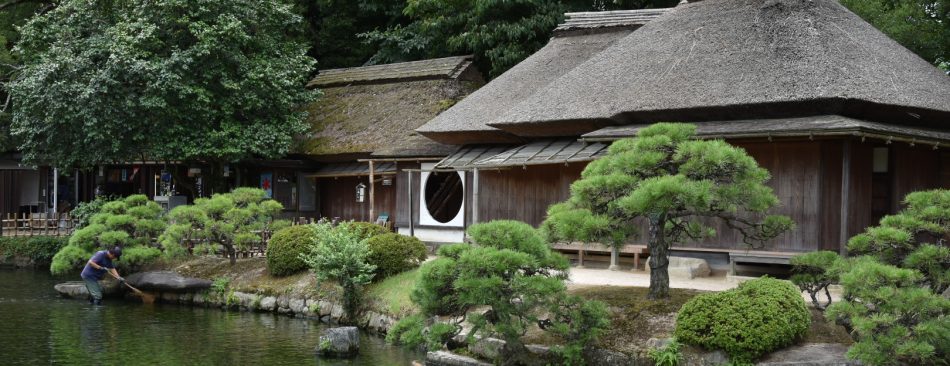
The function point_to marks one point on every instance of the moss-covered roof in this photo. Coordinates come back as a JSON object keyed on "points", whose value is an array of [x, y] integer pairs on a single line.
{"points": [[437, 68], [380, 115]]}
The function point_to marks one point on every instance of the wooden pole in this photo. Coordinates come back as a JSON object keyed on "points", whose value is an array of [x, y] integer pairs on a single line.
{"points": [[412, 226], [845, 196], [372, 192], [475, 196]]}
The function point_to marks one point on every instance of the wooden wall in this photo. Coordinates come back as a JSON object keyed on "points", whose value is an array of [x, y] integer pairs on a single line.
{"points": [[524, 193], [338, 198], [9, 191]]}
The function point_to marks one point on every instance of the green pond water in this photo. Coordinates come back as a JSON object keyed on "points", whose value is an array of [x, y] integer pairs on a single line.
{"points": [[41, 328]]}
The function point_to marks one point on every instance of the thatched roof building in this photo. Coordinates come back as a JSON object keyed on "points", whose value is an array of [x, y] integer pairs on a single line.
{"points": [[374, 110], [740, 59], [580, 37]]}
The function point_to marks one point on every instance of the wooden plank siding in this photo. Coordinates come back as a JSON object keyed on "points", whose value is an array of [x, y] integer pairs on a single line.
{"points": [[338, 198], [524, 193], [9, 190]]}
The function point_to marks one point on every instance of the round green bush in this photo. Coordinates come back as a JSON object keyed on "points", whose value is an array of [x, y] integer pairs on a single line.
{"points": [[69, 258], [364, 230], [758, 317], [393, 253], [285, 247]]}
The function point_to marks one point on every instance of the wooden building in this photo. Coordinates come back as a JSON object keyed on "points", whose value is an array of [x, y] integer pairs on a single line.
{"points": [[362, 135], [846, 120]]}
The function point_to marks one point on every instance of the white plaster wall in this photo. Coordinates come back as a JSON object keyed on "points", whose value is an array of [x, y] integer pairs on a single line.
{"points": [[436, 235]]}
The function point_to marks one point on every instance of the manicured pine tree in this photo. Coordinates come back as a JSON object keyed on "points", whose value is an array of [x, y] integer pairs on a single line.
{"points": [[674, 184]]}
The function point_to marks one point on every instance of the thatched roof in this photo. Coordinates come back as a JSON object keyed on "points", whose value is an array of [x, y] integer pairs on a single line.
{"points": [[740, 59], [791, 127], [437, 68], [579, 38], [378, 115]]}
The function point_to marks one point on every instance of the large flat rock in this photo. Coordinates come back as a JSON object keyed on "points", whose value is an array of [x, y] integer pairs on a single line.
{"points": [[167, 281], [812, 354], [77, 289], [686, 267]]}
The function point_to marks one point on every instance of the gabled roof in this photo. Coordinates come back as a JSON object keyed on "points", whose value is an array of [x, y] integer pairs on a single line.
{"points": [[380, 107], [437, 68], [580, 37], [740, 59]]}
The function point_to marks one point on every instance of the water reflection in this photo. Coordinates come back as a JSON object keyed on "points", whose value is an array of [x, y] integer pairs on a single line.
{"points": [[41, 328]]}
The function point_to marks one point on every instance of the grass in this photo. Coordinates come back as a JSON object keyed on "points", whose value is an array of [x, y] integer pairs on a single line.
{"points": [[391, 295]]}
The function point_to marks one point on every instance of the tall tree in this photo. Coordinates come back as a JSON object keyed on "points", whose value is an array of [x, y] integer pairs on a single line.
{"points": [[500, 33], [674, 183], [13, 14], [923, 26], [206, 80]]}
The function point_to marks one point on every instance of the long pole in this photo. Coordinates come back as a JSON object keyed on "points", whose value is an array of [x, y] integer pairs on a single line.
{"points": [[412, 227], [55, 190], [372, 192]]}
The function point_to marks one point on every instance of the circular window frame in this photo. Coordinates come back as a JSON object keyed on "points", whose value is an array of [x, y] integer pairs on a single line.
{"points": [[425, 218]]}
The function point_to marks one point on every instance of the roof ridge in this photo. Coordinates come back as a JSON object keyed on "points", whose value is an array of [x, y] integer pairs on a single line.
{"points": [[436, 68], [609, 18]]}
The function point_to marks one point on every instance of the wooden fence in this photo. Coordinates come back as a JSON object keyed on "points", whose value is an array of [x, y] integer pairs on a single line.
{"points": [[36, 224]]}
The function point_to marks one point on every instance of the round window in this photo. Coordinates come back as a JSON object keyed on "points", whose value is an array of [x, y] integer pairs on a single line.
{"points": [[444, 194]]}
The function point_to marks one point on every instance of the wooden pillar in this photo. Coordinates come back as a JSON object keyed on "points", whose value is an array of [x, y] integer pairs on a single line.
{"points": [[845, 196], [412, 226], [475, 196], [372, 192]]}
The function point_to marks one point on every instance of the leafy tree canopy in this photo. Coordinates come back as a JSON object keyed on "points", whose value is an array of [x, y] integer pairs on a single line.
{"points": [[500, 33], [674, 183], [923, 26], [105, 80]]}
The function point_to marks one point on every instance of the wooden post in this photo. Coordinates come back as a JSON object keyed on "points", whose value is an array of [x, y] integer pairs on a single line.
{"points": [[845, 196], [580, 258], [475, 196], [614, 258], [372, 192], [412, 226]]}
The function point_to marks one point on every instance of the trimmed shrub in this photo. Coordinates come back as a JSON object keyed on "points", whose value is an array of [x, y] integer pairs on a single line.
{"points": [[516, 236], [135, 257], [37, 248], [813, 274], [758, 317], [364, 230], [393, 253], [286, 246], [337, 255], [69, 258]]}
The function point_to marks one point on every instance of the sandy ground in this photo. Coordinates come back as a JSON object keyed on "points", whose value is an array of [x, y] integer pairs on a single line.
{"points": [[718, 281]]}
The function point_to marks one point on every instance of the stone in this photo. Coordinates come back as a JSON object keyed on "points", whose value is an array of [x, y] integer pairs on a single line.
{"points": [[167, 281], [324, 307], [169, 297], [297, 306], [686, 268], [336, 312], [269, 304], [378, 323], [339, 342], [654, 343], [445, 358], [77, 289], [487, 348], [246, 300], [283, 301], [813, 354], [199, 298]]}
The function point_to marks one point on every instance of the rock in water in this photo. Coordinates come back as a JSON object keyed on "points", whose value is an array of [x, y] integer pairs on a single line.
{"points": [[77, 289], [167, 281], [339, 342]]}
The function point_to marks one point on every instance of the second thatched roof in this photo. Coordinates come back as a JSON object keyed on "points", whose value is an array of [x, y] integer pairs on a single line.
{"points": [[740, 59]]}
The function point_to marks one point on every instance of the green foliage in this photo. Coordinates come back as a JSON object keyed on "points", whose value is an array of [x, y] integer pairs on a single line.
{"points": [[286, 246], [896, 320], [394, 253], [364, 230], [169, 80], [812, 274], [408, 330], [338, 255], [85, 210], [69, 258], [758, 317], [37, 248], [500, 33], [579, 323], [923, 26], [232, 220], [667, 356], [133, 222], [512, 278], [674, 183]]}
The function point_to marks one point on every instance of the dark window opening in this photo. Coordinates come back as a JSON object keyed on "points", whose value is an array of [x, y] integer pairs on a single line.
{"points": [[444, 195]]}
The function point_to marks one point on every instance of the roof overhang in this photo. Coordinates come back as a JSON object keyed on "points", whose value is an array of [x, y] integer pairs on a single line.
{"points": [[827, 125], [541, 152], [353, 169]]}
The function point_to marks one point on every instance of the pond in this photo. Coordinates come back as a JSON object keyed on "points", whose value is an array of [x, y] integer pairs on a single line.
{"points": [[42, 328]]}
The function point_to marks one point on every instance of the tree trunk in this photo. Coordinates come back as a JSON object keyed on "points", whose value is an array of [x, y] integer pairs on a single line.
{"points": [[659, 261], [232, 254]]}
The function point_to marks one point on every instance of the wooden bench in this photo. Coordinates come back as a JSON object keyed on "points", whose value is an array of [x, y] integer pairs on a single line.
{"points": [[758, 257], [582, 248]]}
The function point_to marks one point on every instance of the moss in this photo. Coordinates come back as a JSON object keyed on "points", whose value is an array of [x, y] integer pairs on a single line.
{"points": [[823, 331]]}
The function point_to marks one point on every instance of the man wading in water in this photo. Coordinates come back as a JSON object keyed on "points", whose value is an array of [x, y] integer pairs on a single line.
{"points": [[98, 265]]}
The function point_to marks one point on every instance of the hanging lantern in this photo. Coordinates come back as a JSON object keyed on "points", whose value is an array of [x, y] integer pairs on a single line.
{"points": [[361, 193]]}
